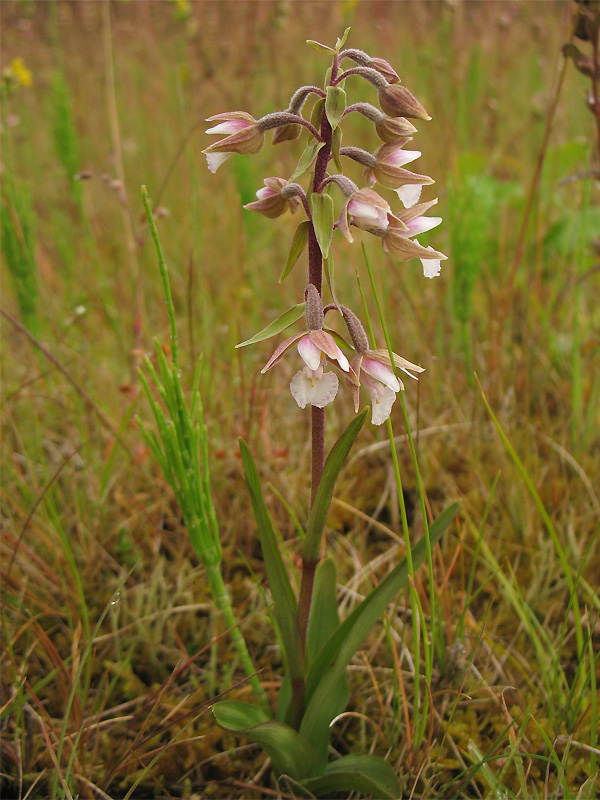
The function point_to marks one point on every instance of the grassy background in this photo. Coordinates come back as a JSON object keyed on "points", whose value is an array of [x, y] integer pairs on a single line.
{"points": [[111, 656]]}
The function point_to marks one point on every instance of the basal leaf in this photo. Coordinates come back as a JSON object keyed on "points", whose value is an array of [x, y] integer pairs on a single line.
{"points": [[366, 774], [320, 509], [333, 659], [290, 752], [282, 322], [284, 602], [298, 244]]}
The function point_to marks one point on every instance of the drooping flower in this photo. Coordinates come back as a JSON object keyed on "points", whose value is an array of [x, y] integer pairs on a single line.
{"points": [[372, 369], [271, 203], [243, 135], [410, 222], [311, 385], [388, 167], [364, 209]]}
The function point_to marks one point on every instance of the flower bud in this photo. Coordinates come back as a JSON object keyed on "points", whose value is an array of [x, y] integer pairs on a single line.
{"points": [[273, 201], [386, 69], [397, 101], [356, 330], [394, 130], [314, 308], [286, 133]]}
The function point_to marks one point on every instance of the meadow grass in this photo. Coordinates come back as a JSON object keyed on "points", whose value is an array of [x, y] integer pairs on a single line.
{"points": [[112, 651]]}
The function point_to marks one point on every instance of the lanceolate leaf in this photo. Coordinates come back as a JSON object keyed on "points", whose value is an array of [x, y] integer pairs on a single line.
{"points": [[335, 105], [306, 160], [321, 206], [290, 752], [320, 509], [320, 48], [282, 322], [298, 244], [336, 143], [284, 602], [341, 42], [333, 659]]}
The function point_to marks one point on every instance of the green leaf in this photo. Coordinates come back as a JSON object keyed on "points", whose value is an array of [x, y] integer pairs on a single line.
{"points": [[316, 114], [324, 617], [335, 105], [284, 602], [333, 659], [282, 322], [324, 620], [331, 470], [290, 752], [298, 244], [357, 773], [320, 48], [336, 143], [321, 206], [306, 160], [341, 42]]}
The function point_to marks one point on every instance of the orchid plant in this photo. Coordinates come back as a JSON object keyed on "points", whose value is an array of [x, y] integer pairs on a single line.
{"points": [[317, 647]]}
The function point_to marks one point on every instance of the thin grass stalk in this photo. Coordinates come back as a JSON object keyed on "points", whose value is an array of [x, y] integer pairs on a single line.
{"points": [[415, 601], [566, 567], [184, 460]]}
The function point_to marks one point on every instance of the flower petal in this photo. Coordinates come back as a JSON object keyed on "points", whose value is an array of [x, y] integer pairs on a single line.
{"points": [[216, 159], [409, 194], [314, 387], [381, 372], [431, 266], [309, 352], [280, 350], [325, 342]]}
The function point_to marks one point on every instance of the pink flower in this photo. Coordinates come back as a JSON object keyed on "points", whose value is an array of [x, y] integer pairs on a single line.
{"points": [[388, 170], [373, 370], [410, 222], [364, 209], [270, 201], [311, 385], [243, 135]]}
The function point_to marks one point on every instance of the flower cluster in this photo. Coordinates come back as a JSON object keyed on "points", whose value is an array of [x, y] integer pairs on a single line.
{"points": [[362, 207]]}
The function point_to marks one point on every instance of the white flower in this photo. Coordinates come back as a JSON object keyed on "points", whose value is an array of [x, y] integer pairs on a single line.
{"points": [[314, 387], [311, 385], [373, 370]]}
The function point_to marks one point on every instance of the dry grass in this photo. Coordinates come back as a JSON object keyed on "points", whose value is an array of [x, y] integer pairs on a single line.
{"points": [[111, 653]]}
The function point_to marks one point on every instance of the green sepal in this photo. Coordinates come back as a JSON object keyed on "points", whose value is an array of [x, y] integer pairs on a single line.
{"points": [[335, 105], [297, 246], [341, 42], [321, 207], [333, 659], [290, 752], [284, 602], [365, 774], [306, 160], [320, 48], [282, 322], [320, 509]]}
